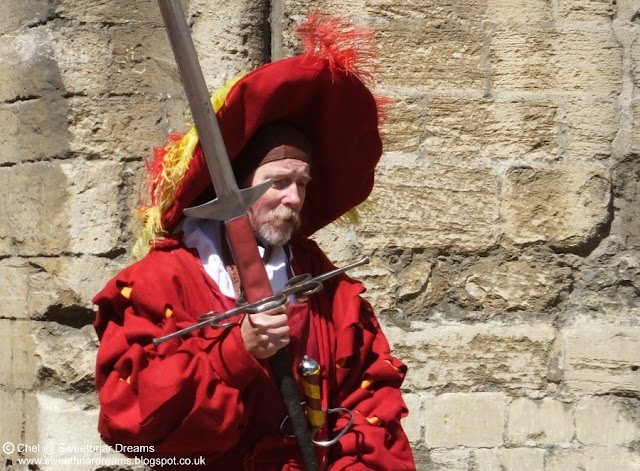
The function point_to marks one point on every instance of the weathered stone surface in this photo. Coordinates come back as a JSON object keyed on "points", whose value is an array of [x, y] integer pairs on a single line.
{"points": [[529, 459], [402, 128], [595, 11], [601, 357], [28, 65], [442, 356], [590, 127], [47, 414], [465, 128], [110, 11], [449, 424], [431, 208], [557, 62], [119, 125], [11, 404], [608, 420], [142, 62], [36, 129], [540, 422], [432, 56], [532, 15], [59, 213], [14, 287], [18, 365], [14, 14], [443, 460], [593, 459], [66, 356], [523, 284], [626, 186], [411, 423], [567, 208]]}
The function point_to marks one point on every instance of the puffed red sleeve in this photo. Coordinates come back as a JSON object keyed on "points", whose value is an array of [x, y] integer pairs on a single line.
{"points": [[368, 383], [184, 396]]}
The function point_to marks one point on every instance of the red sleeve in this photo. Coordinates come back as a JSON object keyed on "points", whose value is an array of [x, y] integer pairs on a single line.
{"points": [[180, 396], [369, 380]]}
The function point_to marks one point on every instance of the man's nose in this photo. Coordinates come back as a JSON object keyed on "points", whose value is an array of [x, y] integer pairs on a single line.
{"points": [[292, 197]]}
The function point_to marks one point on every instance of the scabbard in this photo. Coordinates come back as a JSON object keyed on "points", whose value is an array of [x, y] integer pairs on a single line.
{"points": [[256, 285]]}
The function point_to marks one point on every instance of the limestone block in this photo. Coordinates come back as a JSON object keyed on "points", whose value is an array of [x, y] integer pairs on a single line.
{"points": [[14, 288], [49, 414], [402, 125], [67, 356], [17, 13], [607, 420], [601, 357], [61, 288], [465, 419], [626, 184], [469, 128], [387, 9], [529, 459], [57, 207], [33, 129], [110, 11], [432, 56], [530, 15], [17, 358], [231, 38], [598, 11], [93, 205], [411, 423], [593, 459], [433, 206], [28, 64], [83, 57], [524, 284], [119, 125], [441, 356], [592, 127], [565, 207], [442, 460], [142, 61], [11, 405], [540, 422], [568, 61]]}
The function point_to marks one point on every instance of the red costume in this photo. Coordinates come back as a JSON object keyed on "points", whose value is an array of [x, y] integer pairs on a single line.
{"points": [[203, 394], [207, 396]]}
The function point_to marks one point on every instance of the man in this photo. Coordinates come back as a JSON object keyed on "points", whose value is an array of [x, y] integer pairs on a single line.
{"points": [[310, 125]]}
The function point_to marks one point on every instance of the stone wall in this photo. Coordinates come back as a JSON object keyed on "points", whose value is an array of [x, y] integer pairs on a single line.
{"points": [[503, 230]]}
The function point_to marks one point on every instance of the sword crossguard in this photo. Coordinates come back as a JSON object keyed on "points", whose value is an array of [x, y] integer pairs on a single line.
{"points": [[300, 285]]}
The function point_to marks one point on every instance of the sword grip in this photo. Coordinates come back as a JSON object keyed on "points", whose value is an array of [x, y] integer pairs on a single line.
{"points": [[256, 286]]}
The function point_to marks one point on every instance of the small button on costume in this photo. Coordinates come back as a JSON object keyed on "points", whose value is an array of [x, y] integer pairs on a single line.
{"points": [[203, 394]]}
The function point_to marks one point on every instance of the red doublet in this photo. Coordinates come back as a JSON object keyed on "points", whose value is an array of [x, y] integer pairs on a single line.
{"points": [[204, 395]]}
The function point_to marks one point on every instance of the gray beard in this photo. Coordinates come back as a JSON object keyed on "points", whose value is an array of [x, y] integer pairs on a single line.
{"points": [[277, 226]]}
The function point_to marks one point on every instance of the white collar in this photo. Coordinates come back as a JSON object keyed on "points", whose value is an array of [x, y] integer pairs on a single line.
{"points": [[204, 235]]}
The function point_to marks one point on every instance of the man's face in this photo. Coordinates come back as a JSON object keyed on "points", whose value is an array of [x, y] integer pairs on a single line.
{"points": [[276, 214]]}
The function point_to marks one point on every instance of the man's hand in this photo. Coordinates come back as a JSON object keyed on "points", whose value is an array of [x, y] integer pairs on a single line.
{"points": [[265, 333]]}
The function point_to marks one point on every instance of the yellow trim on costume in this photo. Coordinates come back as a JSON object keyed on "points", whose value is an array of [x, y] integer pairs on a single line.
{"points": [[168, 313], [373, 420], [366, 383], [126, 292], [175, 164]]}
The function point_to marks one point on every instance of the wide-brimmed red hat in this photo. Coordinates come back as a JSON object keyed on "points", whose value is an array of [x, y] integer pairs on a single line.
{"points": [[322, 93]]}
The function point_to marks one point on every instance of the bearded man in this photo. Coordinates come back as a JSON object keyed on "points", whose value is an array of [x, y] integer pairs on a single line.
{"points": [[310, 125]]}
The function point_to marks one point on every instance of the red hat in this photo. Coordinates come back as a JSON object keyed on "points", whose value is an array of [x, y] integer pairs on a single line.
{"points": [[323, 94]]}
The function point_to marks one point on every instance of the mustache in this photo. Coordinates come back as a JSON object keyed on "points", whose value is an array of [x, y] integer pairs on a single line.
{"points": [[283, 214]]}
